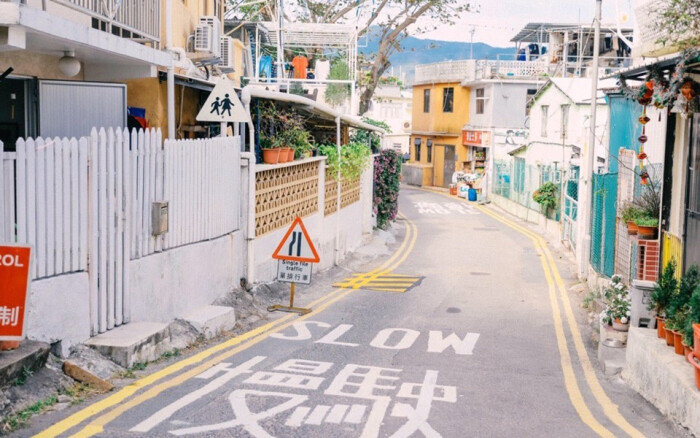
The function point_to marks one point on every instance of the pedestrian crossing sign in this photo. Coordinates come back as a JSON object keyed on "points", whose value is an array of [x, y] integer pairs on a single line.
{"points": [[296, 245], [223, 105]]}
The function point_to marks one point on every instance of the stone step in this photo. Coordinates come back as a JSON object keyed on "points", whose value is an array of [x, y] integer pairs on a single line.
{"points": [[133, 343], [30, 356], [211, 321]]}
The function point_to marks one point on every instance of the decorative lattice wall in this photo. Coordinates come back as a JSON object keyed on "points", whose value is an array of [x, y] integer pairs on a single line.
{"points": [[349, 193], [285, 193]]}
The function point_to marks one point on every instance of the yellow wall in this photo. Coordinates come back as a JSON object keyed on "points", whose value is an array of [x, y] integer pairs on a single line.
{"points": [[436, 120], [35, 64]]}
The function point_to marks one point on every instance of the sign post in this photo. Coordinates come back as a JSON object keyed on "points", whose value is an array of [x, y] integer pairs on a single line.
{"points": [[14, 284], [296, 253]]}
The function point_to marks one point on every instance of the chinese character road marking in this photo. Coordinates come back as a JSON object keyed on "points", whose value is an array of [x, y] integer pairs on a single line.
{"points": [[432, 208]]}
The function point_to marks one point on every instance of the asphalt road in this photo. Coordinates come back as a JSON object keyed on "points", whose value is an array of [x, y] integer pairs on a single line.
{"points": [[465, 330]]}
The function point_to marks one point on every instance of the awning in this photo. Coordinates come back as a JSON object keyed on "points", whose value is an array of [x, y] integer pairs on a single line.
{"points": [[186, 81], [320, 110], [435, 134]]}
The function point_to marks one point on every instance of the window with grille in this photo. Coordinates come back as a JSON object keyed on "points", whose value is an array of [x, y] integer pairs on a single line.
{"points": [[416, 147], [426, 101], [519, 175], [429, 145], [448, 95], [480, 100]]}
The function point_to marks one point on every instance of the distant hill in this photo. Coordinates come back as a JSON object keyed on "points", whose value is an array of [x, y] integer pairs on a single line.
{"points": [[424, 51]]}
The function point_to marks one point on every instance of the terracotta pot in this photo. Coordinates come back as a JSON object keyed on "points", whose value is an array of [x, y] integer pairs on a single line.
{"points": [[646, 232], [696, 339], [271, 156], [9, 345], [631, 228], [694, 363], [669, 337], [686, 350], [660, 327], [286, 155], [619, 326], [678, 342]]}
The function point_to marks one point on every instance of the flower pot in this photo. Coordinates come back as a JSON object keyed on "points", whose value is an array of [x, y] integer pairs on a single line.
{"points": [[678, 342], [286, 155], [696, 339], [271, 156], [686, 350], [9, 345], [694, 363], [669, 337], [631, 228], [646, 232], [619, 326], [660, 327]]}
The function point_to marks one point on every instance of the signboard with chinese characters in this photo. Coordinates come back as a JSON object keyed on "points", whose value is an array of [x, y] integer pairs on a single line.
{"points": [[476, 138], [290, 271], [14, 284]]}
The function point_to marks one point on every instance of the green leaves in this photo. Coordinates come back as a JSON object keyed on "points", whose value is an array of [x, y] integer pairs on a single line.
{"points": [[354, 158], [546, 196]]}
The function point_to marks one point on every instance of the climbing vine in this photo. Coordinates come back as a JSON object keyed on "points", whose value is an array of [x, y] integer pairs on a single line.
{"points": [[387, 168]]}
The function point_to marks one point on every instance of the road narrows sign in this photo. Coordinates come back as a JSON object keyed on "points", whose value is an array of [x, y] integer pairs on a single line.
{"points": [[14, 285], [296, 245], [223, 105]]}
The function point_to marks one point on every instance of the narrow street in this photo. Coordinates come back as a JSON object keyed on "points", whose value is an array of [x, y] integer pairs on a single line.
{"points": [[467, 329]]}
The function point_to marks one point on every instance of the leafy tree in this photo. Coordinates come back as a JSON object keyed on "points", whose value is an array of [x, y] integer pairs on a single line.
{"points": [[679, 23], [362, 136], [392, 20]]}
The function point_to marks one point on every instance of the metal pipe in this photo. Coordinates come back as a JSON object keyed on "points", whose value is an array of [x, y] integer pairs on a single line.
{"points": [[170, 81], [589, 153], [337, 193], [250, 156]]}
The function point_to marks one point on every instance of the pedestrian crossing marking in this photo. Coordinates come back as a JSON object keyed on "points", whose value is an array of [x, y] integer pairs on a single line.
{"points": [[383, 281]]}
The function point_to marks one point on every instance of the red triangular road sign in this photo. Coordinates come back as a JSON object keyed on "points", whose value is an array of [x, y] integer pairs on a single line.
{"points": [[296, 245]]}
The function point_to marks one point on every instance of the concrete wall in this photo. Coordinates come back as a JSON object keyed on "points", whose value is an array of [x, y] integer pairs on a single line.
{"points": [[551, 229], [59, 310], [167, 284], [505, 106]]}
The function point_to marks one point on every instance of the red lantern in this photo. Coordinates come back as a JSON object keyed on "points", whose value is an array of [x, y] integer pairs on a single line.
{"points": [[642, 155], [642, 138], [687, 89]]}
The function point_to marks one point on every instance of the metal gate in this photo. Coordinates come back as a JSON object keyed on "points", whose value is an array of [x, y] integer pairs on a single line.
{"points": [[448, 165], [692, 212], [603, 223]]}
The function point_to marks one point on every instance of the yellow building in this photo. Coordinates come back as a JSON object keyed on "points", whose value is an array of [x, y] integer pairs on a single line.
{"points": [[440, 110]]}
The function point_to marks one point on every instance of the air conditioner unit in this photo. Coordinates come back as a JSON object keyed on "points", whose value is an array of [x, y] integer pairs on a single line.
{"points": [[207, 36], [226, 64]]}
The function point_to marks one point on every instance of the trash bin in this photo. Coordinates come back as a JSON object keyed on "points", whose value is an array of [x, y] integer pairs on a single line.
{"points": [[453, 189], [472, 195]]}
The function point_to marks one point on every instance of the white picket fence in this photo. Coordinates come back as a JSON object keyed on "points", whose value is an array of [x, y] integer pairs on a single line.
{"points": [[86, 204]]}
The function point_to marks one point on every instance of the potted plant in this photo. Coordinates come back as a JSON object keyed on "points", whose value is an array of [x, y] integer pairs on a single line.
{"points": [[628, 214], [617, 304], [675, 324], [646, 227], [271, 153], [546, 196], [661, 296]]}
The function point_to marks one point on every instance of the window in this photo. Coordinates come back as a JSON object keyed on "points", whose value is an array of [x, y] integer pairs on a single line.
{"points": [[426, 101], [545, 113], [416, 147], [448, 95], [564, 120], [530, 95], [429, 143], [480, 100]]}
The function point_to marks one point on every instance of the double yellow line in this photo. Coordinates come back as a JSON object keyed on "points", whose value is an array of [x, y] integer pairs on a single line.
{"points": [[151, 386], [555, 283]]}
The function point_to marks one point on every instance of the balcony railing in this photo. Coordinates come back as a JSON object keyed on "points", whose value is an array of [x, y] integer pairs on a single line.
{"points": [[470, 70], [138, 20]]}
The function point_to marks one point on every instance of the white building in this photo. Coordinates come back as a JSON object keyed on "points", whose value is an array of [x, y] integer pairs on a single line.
{"points": [[393, 106]]}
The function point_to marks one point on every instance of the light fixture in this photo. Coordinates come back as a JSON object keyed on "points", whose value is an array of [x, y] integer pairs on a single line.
{"points": [[68, 65]]}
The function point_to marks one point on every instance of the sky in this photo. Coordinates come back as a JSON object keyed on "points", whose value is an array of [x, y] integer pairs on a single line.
{"points": [[499, 20]]}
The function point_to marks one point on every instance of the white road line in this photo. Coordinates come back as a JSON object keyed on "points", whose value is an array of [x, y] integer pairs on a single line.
{"points": [[356, 413], [337, 413], [317, 415]]}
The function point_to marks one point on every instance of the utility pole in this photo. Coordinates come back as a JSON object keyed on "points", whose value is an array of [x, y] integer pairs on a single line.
{"points": [[471, 43], [583, 246]]}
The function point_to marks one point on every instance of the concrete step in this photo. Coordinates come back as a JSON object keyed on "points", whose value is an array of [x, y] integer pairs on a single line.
{"points": [[30, 356], [133, 342], [211, 321]]}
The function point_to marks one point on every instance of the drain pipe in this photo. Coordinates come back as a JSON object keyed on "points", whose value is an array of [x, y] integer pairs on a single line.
{"points": [[337, 193], [170, 82], [250, 156]]}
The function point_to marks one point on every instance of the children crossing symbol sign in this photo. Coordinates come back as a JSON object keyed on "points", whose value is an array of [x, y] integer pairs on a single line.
{"points": [[223, 105], [296, 245]]}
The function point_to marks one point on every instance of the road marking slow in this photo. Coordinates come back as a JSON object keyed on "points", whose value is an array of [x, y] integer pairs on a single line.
{"points": [[253, 337]]}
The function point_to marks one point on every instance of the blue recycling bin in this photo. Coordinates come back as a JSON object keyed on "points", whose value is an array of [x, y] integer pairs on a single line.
{"points": [[472, 194]]}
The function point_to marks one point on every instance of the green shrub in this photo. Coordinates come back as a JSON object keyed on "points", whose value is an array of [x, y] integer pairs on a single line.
{"points": [[546, 196], [387, 169]]}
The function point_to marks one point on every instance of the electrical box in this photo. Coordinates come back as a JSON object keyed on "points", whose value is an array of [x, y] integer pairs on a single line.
{"points": [[159, 218]]}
